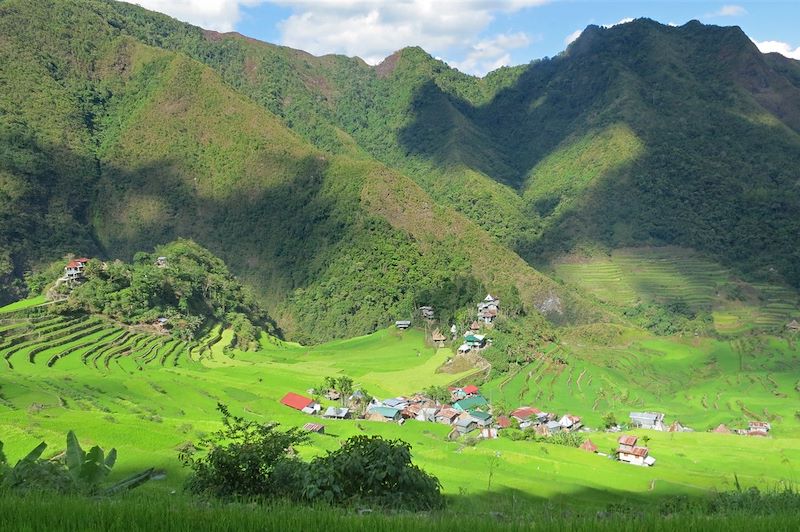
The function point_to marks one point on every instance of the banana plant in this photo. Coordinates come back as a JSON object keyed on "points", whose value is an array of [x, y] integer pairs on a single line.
{"points": [[89, 469], [80, 471]]}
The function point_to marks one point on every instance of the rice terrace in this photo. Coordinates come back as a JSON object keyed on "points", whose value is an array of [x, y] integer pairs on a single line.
{"points": [[248, 287]]}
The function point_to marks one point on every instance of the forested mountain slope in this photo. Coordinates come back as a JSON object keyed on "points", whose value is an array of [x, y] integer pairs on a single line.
{"points": [[639, 134], [112, 144]]}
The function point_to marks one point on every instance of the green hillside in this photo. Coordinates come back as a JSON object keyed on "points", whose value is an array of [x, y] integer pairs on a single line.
{"points": [[334, 245], [667, 135], [148, 394]]}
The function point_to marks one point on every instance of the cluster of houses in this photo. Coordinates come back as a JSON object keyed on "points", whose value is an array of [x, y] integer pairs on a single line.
{"points": [[754, 428], [466, 412]]}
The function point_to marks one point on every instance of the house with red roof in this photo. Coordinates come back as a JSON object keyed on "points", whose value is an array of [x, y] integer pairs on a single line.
{"points": [[631, 453], [503, 422], [299, 402], [524, 413], [73, 271], [470, 390]]}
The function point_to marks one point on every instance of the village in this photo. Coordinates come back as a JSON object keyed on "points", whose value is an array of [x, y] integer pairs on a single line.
{"points": [[463, 408], [469, 414]]}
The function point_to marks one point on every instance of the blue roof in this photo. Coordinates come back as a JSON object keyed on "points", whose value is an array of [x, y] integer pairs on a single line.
{"points": [[385, 411]]}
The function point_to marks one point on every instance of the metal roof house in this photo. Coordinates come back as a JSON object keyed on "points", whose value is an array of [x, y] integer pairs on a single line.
{"points": [[648, 420], [483, 419], [388, 413], [465, 425], [469, 403], [298, 402], [336, 413], [402, 324]]}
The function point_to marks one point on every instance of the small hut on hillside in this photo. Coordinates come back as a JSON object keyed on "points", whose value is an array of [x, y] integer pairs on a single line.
{"points": [[793, 326], [438, 338], [722, 429], [588, 446]]}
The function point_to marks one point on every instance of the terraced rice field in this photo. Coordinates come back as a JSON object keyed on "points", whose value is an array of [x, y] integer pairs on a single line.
{"points": [[148, 394], [671, 275]]}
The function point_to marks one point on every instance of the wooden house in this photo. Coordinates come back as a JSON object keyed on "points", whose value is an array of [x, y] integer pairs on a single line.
{"points": [[758, 428], [525, 413], [314, 427], [570, 422], [446, 415], [588, 446], [465, 425], [483, 419]]}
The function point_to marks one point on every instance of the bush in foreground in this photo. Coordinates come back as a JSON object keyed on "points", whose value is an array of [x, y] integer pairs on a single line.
{"points": [[246, 459]]}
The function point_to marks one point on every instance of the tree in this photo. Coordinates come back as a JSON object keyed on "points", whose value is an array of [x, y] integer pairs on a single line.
{"points": [[609, 420], [345, 387], [440, 394]]}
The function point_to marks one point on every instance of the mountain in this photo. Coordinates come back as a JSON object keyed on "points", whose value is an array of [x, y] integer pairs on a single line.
{"points": [[639, 134], [341, 191], [115, 138]]}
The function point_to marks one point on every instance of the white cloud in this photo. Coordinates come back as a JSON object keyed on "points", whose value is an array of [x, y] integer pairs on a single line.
{"points": [[782, 48], [620, 21], [491, 54], [220, 15], [572, 36], [373, 29], [729, 11]]}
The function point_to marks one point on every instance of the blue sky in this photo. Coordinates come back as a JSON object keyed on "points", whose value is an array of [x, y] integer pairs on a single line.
{"points": [[475, 36]]}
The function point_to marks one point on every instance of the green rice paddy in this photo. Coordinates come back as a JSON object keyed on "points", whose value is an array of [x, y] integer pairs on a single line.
{"points": [[667, 275], [148, 394]]}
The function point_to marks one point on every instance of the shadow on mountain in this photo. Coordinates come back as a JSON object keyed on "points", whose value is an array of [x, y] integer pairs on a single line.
{"points": [[717, 171], [274, 238]]}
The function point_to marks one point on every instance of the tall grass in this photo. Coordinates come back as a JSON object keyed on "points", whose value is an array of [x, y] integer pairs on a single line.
{"points": [[179, 513]]}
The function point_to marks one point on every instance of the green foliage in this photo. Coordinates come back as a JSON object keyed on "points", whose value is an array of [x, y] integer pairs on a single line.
{"points": [[609, 420], [516, 341], [372, 470], [567, 439], [245, 459], [673, 318], [77, 472], [194, 289], [438, 393]]}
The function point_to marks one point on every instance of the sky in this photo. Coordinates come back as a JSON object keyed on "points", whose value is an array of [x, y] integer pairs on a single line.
{"points": [[475, 36]]}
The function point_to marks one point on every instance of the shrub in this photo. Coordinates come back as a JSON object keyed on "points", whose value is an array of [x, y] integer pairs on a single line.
{"points": [[245, 459], [372, 470], [252, 460]]}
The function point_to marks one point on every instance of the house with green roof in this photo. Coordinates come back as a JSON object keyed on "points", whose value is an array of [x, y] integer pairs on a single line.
{"points": [[484, 419], [476, 401]]}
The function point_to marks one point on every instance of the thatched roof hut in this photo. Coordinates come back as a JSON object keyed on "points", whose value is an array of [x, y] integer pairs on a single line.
{"points": [[588, 446]]}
